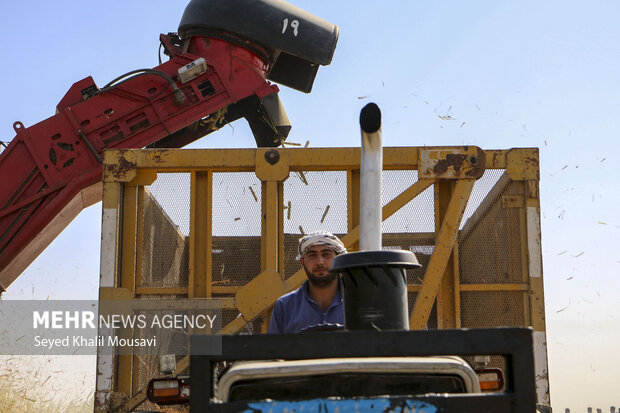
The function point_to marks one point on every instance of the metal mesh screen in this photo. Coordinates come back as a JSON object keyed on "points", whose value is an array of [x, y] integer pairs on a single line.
{"points": [[163, 257], [236, 228], [164, 227], [313, 201], [418, 215], [490, 252], [492, 309], [172, 193], [411, 227], [490, 241], [482, 188]]}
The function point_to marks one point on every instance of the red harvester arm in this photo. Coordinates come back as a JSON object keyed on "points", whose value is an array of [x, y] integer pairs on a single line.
{"points": [[52, 170]]}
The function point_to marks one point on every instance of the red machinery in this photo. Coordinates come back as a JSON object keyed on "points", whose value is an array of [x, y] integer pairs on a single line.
{"points": [[217, 73]]}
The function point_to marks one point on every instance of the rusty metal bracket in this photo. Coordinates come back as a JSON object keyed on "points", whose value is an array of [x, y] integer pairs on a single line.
{"points": [[119, 166], [523, 164], [460, 162]]}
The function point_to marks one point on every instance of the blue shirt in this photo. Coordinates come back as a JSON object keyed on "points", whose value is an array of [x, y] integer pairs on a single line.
{"points": [[296, 311]]}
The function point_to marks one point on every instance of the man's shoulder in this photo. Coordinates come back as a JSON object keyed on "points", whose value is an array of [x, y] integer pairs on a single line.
{"points": [[292, 296]]}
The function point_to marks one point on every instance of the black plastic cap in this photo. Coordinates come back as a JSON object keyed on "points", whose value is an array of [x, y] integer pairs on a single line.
{"points": [[370, 118], [397, 258]]}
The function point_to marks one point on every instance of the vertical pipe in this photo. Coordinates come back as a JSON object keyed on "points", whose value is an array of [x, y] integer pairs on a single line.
{"points": [[370, 181], [375, 281]]}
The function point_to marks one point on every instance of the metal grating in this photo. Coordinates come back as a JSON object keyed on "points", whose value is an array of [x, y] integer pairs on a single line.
{"points": [[411, 227], [418, 215], [172, 193], [164, 226], [490, 241], [482, 188], [492, 309], [236, 228], [313, 201], [172, 341]]}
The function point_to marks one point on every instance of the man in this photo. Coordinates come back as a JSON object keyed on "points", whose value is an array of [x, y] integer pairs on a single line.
{"points": [[319, 299]]}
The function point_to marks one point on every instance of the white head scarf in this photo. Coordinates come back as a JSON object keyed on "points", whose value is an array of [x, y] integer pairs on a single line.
{"points": [[320, 238]]}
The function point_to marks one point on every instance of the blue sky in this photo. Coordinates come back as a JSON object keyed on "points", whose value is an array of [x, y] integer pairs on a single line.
{"points": [[510, 74]]}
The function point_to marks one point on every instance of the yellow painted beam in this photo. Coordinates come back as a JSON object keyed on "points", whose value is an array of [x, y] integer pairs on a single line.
{"points": [[113, 293], [240, 160], [260, 293], [443, 249], [200, 235], [225, 289], [523, 287], [162, 290], [494, 287]]}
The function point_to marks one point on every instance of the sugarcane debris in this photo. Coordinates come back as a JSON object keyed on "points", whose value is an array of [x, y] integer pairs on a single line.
{"points": [[325, 214], [253, 193]]}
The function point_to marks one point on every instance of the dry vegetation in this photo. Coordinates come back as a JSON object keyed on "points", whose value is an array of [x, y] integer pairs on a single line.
{"points": [[32, 393], [15, 398]]}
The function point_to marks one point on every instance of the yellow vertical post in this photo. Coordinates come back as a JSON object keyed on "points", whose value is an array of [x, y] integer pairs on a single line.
{"points": [[139, 247], [448, 296], [106, 378], [127, 279], [537, 303], [353, 203], [280, 221], [263, 226], [272, 168], [200, 284], [128, 237], [272, 207], [139, 235], [524, 253], [272, 234]]}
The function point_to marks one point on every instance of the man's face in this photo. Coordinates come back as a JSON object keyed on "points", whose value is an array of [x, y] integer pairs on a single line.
{"points": [[316, 262]]}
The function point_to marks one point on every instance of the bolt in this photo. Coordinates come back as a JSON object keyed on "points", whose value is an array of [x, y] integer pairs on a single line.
{"points": [[272, 156]]}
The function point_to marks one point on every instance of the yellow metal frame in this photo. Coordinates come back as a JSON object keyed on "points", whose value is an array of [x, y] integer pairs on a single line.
{"points": [[452, 170]]}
